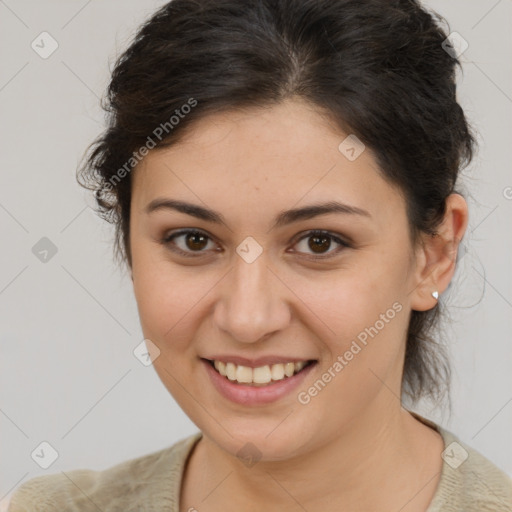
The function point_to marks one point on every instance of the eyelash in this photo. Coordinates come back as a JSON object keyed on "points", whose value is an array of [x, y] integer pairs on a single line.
{"points": [[168, 241]]}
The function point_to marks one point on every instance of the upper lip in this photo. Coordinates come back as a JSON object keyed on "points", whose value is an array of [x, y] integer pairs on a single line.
{"points": [[256, 362]]}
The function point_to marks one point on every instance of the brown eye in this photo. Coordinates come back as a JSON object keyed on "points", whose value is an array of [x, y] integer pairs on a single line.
{"points": [[319, 243], [187, 242], [196, 241]]}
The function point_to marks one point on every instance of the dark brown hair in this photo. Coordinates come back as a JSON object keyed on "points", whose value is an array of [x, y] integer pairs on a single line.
{"points": [[377, 68]]}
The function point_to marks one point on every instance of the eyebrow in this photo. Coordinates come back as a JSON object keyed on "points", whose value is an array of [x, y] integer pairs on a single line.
{"points": [[282, 219]]}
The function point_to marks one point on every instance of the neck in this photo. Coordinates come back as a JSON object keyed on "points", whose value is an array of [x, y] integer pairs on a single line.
{"points": [[383, 459]]}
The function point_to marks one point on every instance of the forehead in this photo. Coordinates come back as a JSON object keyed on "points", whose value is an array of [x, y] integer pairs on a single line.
{"points": [[269, 158]]}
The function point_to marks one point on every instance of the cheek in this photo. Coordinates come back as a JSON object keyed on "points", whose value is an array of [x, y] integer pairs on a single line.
{"points": [[169, 300], [350, 301], [362, 325], [363, 331], [168, 304]]}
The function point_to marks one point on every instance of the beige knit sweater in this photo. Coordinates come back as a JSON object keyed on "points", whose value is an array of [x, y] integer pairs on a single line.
{"points": [[469, 483]]}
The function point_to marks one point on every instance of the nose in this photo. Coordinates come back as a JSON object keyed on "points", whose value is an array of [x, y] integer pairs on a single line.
{"points": [[252, 303]]}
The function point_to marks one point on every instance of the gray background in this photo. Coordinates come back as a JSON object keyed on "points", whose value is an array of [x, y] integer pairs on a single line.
{"points": [[68, 326]]}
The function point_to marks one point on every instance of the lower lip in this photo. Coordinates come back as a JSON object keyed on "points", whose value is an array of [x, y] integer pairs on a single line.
{"points": [[255, 395]]}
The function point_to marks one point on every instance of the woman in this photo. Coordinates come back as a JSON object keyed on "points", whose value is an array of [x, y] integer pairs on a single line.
{"points": [[281, 175]]}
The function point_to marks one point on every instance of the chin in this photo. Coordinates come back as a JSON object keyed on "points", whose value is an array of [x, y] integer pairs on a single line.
{"points": [[262, 439]]}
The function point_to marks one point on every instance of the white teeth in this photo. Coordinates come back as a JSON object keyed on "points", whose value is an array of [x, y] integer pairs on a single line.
{"points": [[277, 371], [230, 371], [289, 369], [244, 374], [299, 366], [260, 375], [221, 367]]}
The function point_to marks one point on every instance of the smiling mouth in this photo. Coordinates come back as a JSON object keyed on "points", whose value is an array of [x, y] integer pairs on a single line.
{"points": [[260, 376]]}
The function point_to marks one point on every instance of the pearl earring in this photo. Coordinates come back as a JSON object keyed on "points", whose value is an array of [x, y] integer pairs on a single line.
{"points": [[435, 294]]}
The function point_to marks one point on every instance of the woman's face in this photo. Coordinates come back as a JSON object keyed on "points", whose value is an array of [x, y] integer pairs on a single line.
{"points": [[248, 289]]}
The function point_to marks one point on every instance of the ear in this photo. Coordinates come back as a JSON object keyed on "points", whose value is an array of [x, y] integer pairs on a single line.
{"points": [[436, 256]]}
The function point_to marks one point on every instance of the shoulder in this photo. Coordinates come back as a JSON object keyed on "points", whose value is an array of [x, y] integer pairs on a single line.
{"points": [[470, 481], [151, 479]]}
